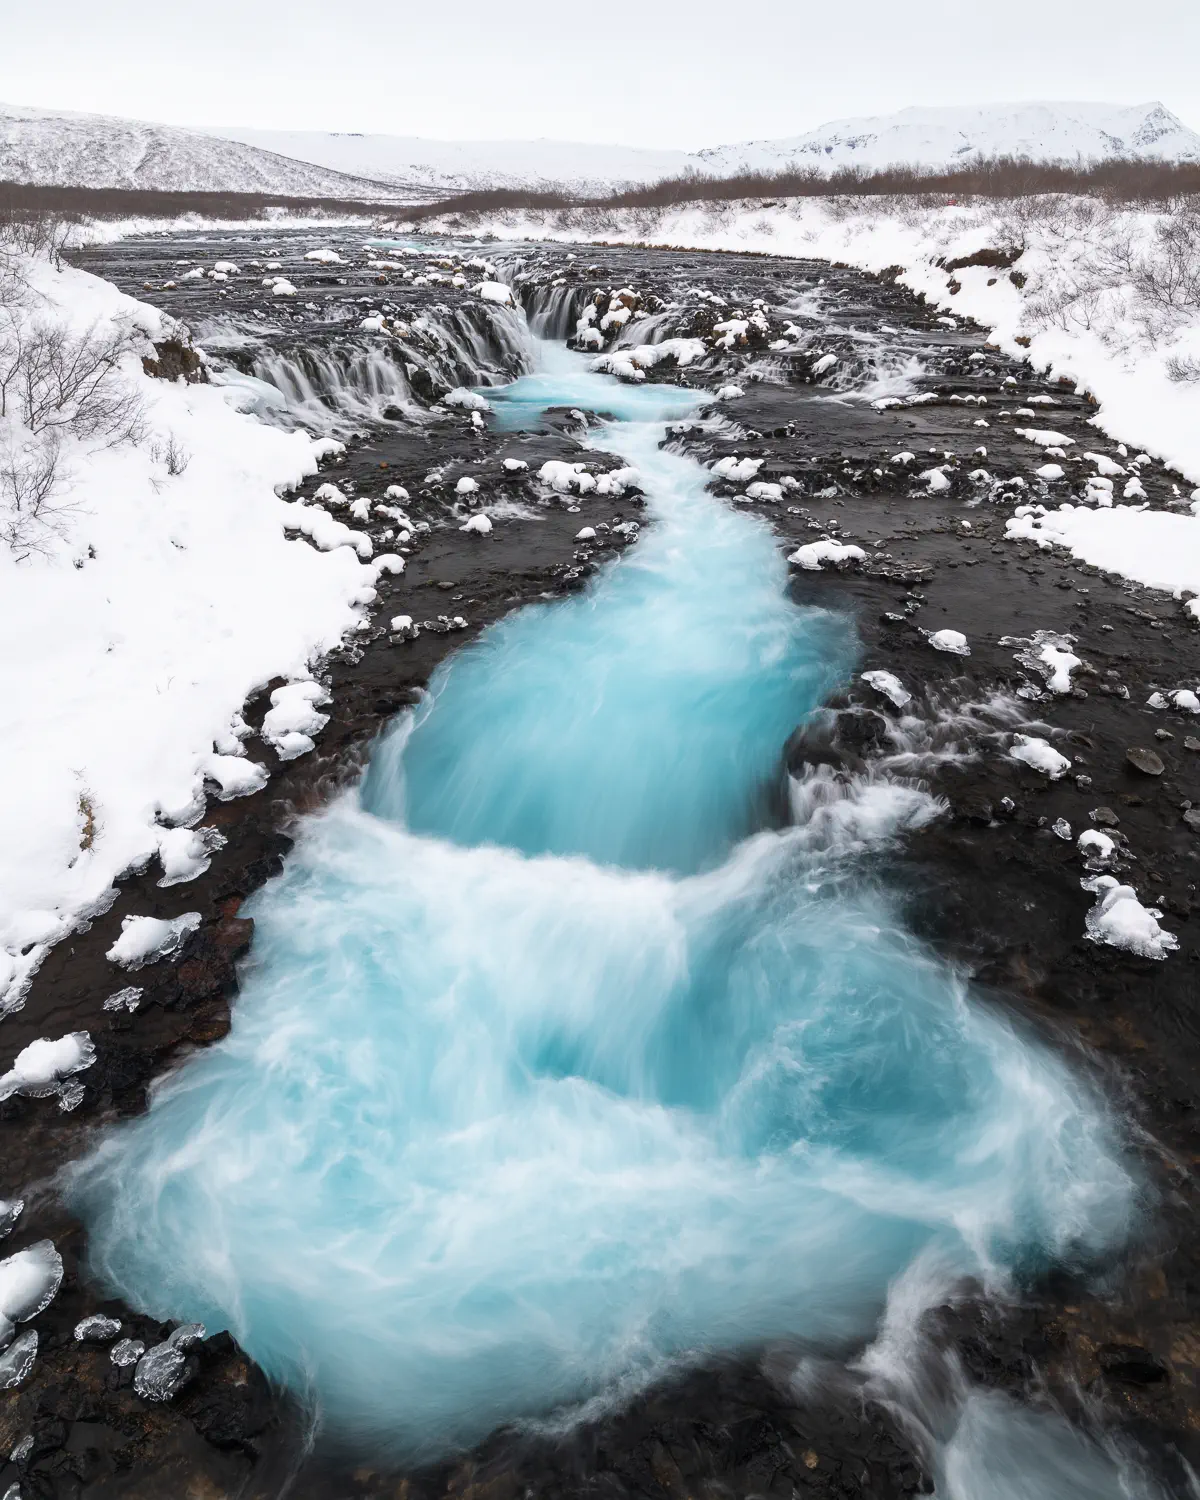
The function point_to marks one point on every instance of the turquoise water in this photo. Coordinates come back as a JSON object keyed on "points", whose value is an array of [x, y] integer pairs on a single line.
{"points": [[576, 1042]]}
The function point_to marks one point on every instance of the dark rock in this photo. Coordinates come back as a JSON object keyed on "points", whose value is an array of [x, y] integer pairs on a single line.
{"points": [[1105, 817], [176, 361], [1145, 761], [1131, 1364]]}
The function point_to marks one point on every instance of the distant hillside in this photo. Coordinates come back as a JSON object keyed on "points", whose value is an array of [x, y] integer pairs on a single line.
{"points": [[464, 166], [57, 149], [951, 136]]}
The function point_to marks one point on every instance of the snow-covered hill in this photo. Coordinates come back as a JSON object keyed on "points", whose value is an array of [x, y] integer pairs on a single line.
{"points": [[59, 149], [941, 137], [456, 166]]}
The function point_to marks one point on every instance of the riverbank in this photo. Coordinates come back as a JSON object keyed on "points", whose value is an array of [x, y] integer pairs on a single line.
{"points": [[929, 573]]}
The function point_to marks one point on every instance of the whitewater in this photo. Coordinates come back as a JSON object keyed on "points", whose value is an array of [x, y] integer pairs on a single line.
{"points": [[578, 1042]]}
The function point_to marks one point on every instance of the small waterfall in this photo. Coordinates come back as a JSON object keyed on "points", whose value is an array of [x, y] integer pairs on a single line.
{"points": [[554, 310], [339, 382]]}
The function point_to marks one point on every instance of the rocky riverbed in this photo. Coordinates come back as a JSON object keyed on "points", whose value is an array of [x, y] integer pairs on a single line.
{"points": [[995, 883]]}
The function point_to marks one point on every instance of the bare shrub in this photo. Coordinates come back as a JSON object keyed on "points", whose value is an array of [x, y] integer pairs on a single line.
{"points": [[1183, 369], [52, 380], [32, 480], [173, 456]]}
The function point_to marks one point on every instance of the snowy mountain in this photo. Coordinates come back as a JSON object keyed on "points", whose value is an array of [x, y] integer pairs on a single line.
{"points": [[458, 166], [58, 149], [942, 137]]}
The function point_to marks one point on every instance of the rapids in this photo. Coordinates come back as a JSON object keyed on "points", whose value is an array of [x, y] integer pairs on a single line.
{"points": [[577, 1041]]}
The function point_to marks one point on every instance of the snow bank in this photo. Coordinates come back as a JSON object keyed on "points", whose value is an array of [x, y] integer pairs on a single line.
{"points": [[164, 603], [1158, 548]]}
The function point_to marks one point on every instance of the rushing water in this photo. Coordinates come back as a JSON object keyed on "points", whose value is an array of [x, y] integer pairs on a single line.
{"points": [[576, 1041]]}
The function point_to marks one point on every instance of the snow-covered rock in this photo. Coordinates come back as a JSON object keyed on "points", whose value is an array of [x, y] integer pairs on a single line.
{"points": [[145, 940], [814, 555], [1032, 750], [1119, 919]]}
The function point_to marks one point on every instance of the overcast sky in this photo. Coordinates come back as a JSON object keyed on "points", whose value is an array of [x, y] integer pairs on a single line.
{"points": [[640, 72]]}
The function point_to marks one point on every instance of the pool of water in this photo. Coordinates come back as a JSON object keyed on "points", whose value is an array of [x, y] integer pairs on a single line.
{"points": [[576, 1040]]}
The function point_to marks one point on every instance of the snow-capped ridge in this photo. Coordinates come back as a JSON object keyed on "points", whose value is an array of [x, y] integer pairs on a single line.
{"points": [[954, 135]]}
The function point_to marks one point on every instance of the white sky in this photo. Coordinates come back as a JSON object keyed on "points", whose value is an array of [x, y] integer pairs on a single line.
{"points": [[637, 72]]}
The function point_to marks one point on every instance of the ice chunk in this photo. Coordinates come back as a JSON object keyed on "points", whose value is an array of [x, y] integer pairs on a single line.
{"points": [[566, 477], [17, 1360], [97, 1329], [480, 525], [1033, 751], [162, 1370], [29, 1281], [144, 940], [890, 686], [587, 534], [41, 1065], [127, 1352], [1119, 919], [10, 1211], [952, 641]]}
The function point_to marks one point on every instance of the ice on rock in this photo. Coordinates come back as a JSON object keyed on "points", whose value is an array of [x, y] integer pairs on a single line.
{"points": [[890, 686], [235, 776], [1061, 829], [466, 486], [730, 393], [42, 1065], [1104, 465], [1119, 919], [396, 492], [328, 494], [10, 1211], [29, 1281], [127, 1352], [325, 257], [162, 1370], [1096, 847], [814, 555], [17, 1360], [480, 525], [1050, 472], [282, 287], [1032, 750], [952, 641], [466, 399], [376, 323], [326, 447], [495, 291], [737, 469], [144, 940], [936, 479], [96, 1329], [292, 719], [186, 853], [1049, 655], [587, 534], [903, 459], [515, 465], [566, 477]]}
